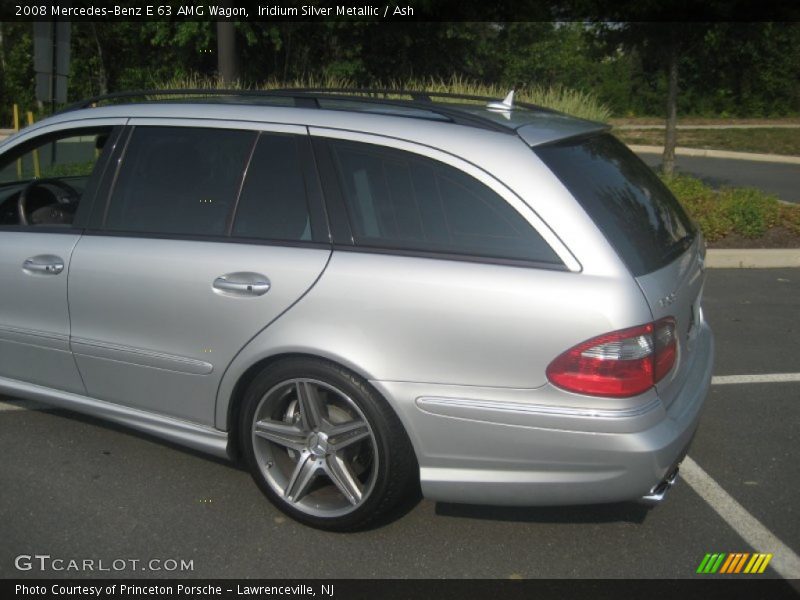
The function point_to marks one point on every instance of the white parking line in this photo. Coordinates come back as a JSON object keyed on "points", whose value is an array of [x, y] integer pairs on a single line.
{"points": [[766, 378], [785, 562]]}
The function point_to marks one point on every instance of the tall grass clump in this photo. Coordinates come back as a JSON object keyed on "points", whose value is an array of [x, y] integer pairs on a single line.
{"points": [[572, 102]]}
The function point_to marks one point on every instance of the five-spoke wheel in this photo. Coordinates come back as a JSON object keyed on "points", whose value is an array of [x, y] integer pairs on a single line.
{"points": [[323, 445], [314, 446]]}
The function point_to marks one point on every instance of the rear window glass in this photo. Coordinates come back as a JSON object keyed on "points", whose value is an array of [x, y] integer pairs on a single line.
{"points": [[636, 212]]}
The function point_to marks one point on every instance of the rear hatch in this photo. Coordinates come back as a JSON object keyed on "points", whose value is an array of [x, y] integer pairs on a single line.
{"points": [[647, 227], [676, 291]]}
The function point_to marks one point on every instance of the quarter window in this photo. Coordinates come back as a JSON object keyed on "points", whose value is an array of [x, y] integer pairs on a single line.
{"points": [[400, 200], [179, 180]]}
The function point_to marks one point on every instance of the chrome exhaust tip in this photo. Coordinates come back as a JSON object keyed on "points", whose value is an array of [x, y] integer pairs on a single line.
{"points": [[657, 494]]}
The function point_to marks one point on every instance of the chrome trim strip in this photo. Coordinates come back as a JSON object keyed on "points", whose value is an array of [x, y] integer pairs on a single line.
{"points": [[140, 357], [431, 404], [34, 337], [199, 437]]}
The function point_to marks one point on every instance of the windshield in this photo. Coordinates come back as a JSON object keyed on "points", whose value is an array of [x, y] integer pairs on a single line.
{"points": [[627, 201]]}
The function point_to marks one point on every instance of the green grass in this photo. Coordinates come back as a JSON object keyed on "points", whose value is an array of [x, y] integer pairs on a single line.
{"points": [[746, 211], [566, 100], [764, 140]]}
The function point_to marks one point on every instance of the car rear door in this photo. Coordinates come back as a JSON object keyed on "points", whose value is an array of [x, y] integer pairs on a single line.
{"points": [[209, 234]]}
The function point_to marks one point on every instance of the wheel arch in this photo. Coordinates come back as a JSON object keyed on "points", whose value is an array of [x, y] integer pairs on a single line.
{"points": [[230, 410]]}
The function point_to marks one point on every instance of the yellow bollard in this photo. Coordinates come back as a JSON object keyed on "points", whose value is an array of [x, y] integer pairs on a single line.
{"points": [[36, 170]]}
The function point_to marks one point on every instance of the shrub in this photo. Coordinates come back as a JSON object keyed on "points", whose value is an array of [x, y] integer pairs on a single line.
{"points": [[687, 189], [751, 212], [746, 211], [713, 222], [790, 218], [702, 204]]}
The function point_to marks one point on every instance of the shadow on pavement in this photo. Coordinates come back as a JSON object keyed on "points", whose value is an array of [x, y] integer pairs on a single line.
{"points": [[627, 512]]}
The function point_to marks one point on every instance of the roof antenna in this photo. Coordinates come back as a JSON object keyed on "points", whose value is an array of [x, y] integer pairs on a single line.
{"points": [[506, 105]]}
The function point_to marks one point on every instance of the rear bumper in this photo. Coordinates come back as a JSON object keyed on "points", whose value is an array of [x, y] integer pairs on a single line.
{"points": [[507, 454]]}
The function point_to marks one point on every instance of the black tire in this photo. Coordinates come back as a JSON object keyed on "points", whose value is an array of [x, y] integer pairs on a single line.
{"points": [[276, 397]]}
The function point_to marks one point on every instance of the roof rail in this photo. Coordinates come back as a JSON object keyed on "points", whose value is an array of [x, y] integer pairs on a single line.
{"points": [[94, 100], [309, 98], [416, 95]]}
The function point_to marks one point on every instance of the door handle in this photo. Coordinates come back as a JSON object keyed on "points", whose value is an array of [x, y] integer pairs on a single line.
{"points": [[242, 284], [43, 264]]}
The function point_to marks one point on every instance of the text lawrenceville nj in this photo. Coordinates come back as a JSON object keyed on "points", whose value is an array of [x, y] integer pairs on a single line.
{"points": [[168, 590]]}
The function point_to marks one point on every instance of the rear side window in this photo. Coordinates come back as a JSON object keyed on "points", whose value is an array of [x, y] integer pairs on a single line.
{"points": [[179, 180], [636, 212], [274, 204], [400, 200]]}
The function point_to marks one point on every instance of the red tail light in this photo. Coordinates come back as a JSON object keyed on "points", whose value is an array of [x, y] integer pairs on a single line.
{"points": [[622, 363]]}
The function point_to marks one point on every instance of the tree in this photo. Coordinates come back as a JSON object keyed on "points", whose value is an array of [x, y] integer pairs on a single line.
{"points": [[728, 68], [745, 69], [16, 69], [661, 46]]}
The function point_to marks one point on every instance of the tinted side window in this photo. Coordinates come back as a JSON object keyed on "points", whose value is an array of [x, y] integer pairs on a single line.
{"points": [[397, 199], [273, 204], [63, 164], [639, 216], [181, 180], [68, 155]]}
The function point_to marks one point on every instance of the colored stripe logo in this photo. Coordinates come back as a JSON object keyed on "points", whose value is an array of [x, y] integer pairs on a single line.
{"points": [[736, 562]]}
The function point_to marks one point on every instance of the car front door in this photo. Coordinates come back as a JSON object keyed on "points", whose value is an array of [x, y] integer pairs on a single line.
{"points": [[209, 234], [47, 180]]}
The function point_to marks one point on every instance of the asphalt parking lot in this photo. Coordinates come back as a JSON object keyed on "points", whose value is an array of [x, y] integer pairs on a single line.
{"points": [[74, 487]]}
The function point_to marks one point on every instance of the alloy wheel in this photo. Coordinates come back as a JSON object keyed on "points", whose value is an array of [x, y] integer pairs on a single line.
{"points": [[314, 447]]}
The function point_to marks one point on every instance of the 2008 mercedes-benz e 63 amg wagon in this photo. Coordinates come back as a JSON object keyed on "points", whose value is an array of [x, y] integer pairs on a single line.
{"points": [[358, 295]]}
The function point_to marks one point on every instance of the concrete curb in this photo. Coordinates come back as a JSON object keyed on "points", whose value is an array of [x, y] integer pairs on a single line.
{"points": [[747, 258], [753, 156]]}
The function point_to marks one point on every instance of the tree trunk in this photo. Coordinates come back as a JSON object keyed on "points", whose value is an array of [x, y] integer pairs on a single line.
{"points": [[670, 136], [227, 65], [287, 54], [102, 78], [2, 51]]}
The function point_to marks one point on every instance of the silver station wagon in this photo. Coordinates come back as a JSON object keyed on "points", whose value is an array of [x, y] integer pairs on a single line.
{"points": [[357, 296]]}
